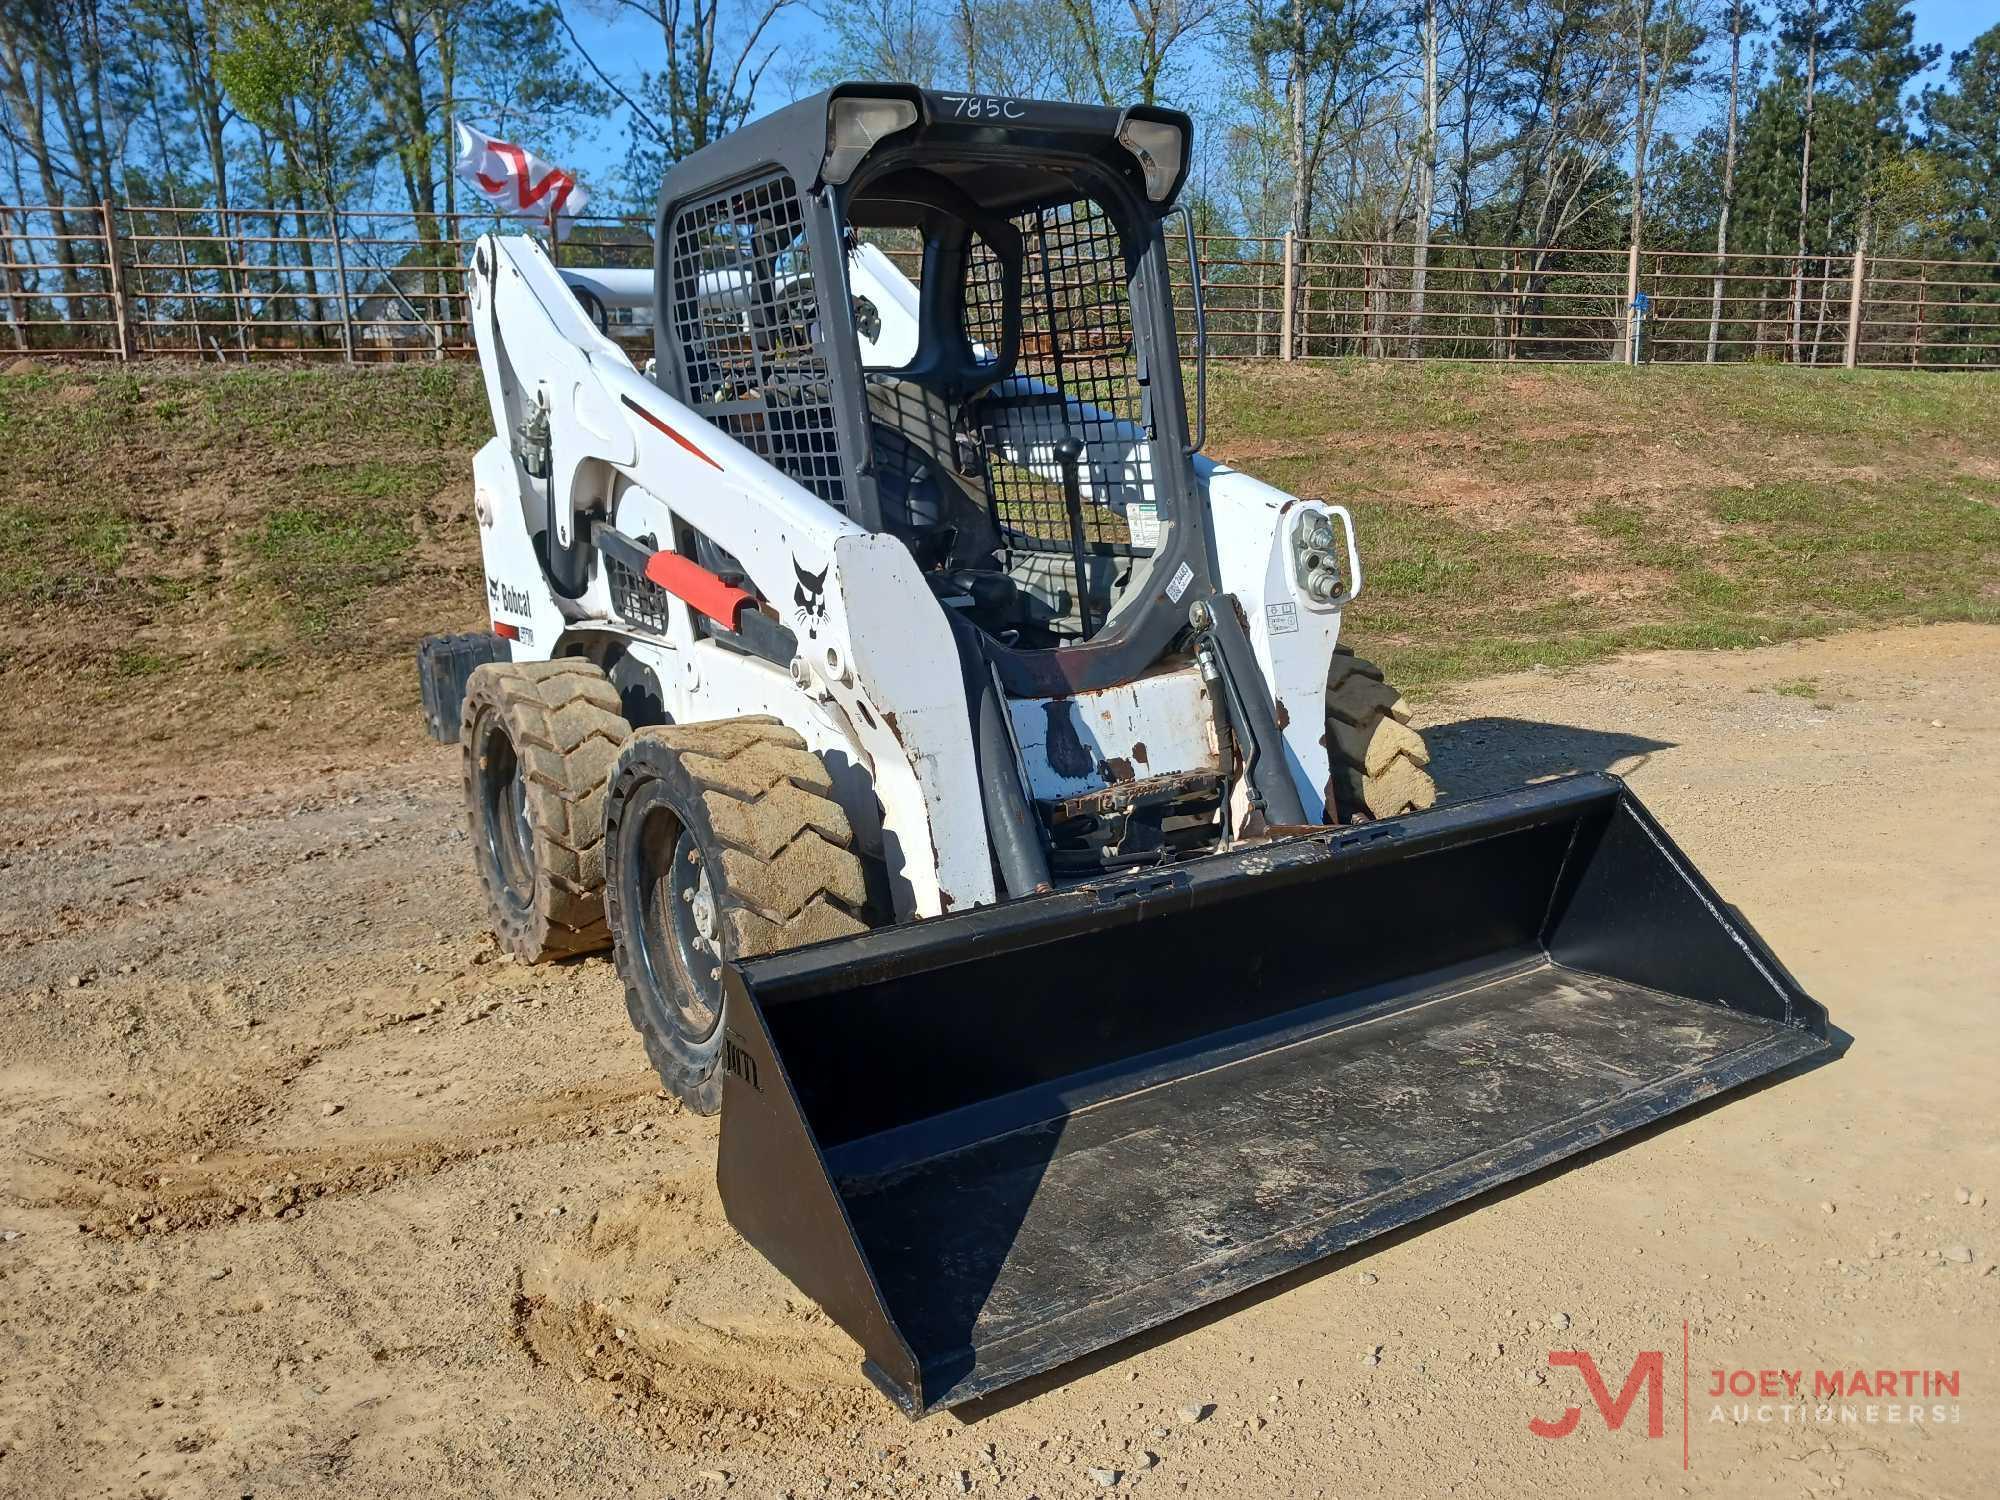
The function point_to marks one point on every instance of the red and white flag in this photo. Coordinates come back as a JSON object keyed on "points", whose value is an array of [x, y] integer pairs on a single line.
{"points": [[518, 182]]}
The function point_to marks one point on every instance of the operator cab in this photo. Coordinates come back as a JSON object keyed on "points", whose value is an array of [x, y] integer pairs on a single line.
{"points": [[1000, 388]]}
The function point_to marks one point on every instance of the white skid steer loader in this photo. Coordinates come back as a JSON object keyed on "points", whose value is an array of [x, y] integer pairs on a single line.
{"points": [[969, 781]]}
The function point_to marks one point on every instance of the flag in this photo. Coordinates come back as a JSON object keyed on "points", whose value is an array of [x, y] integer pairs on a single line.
{"points": [[519, 183]]}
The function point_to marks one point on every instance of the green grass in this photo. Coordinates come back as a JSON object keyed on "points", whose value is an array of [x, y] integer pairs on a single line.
{"points": [[1522, 515], [275, 519], [52, 555], [321, 562]]}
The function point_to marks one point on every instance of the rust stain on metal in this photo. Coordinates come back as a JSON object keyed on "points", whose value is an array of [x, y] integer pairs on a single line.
{"points": [[1116, 769], [1284, 715], [1139, 753], [1169, 788]]}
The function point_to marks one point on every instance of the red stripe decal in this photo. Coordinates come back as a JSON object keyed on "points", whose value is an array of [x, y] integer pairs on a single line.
{"points": [[703, 591], [670, 433], [505, 631]]}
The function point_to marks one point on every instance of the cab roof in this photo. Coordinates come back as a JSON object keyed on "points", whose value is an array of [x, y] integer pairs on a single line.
{"points": [[795, 138]]}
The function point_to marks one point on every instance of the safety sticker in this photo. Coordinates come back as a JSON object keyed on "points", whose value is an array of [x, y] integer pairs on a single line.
{"points": [[1177, 585], [1281, 619]]}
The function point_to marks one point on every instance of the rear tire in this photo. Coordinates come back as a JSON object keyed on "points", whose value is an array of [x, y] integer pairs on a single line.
{"points": [[722, 842], [540, 739], [1377, 760]]}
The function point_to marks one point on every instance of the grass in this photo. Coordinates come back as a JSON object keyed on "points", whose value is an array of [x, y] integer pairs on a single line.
{"points": [[54, 555], [320, 562], [301, 528], [1511, 516]]}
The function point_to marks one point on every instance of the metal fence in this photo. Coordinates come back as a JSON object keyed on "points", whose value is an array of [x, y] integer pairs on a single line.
{"points": [[128, 282]]}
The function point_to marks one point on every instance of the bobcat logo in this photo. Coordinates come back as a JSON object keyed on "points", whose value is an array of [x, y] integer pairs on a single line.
{"points": [[810, 597]]}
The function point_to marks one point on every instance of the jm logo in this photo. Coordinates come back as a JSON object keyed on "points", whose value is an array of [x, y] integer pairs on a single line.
{"points": [[1647, 1374]]}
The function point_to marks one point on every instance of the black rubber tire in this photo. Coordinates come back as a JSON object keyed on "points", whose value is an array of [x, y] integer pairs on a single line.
{"points": [[1378, 762], [756, 809], [539, 742]]}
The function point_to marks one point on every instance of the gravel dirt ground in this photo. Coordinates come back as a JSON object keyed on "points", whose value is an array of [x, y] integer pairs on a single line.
{"points": [[306, 1192]]}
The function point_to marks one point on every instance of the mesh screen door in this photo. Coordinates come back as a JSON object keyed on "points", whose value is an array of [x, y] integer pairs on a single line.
{"points": [[1076, 345], [744, 313]]}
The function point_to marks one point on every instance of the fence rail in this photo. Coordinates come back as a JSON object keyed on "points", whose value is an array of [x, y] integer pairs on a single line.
{"points": [[131, 282]]}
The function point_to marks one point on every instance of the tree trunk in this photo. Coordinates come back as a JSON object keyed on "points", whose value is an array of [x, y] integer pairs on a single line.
{"points": [[25, 93], [1420, 257], [447, 66], [1301, 167], [1805, 178], [1645, 104], [17, 305], [1728, 178]]}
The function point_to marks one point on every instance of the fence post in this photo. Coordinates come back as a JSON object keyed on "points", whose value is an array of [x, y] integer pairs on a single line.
{"points": [[340, 278], [1853, 354], [1624, 353], [1291, 291], [113, 281], [1917, 333]]}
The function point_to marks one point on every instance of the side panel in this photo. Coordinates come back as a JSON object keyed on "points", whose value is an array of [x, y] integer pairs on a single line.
{"points": [[899, 682], [1292, 636], [1155, 726], [518, 596]]}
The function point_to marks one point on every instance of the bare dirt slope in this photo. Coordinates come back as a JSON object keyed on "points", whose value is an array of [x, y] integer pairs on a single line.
{"points": [[307, 1193]]}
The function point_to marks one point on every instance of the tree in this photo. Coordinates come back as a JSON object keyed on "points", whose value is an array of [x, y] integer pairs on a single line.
{"points": [[1130, 45], [1742, 18], [1427, 155], [1662, 37], [293, 69], [1314, 61], [1962, 127], [1878, 72], [1816, 30], [712, 64]]}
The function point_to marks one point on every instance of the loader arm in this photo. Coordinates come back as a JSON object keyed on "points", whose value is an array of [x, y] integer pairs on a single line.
{"points": [[874, 647]]}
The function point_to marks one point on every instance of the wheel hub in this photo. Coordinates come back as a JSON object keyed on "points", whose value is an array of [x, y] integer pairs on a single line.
{"points": [[510, 838], [681, 927]]}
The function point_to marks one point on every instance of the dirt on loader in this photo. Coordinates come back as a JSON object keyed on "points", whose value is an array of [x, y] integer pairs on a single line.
{"points": [[307, 1191]]}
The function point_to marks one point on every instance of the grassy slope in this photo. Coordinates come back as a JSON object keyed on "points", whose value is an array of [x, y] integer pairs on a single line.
{"points": [[1555, 515], [188, 556]]}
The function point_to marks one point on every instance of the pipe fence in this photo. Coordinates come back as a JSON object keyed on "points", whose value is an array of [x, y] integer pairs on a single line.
{"points": [[233, 284]]}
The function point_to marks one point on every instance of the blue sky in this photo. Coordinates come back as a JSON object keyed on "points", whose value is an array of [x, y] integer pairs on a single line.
{"points": [[624, 43]]}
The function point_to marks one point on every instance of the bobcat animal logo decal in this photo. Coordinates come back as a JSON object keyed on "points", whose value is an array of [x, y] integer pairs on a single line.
{"points": [[810, 597]]}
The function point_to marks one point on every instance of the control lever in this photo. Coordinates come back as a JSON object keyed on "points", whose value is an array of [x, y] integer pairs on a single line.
{"points": [[1069, 453]]}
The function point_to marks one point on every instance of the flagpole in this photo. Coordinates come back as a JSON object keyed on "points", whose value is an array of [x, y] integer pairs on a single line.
{"points": [[555, 244]]}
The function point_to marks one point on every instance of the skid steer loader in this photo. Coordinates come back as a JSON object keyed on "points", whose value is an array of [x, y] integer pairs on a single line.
{"points": [[969, 781]]}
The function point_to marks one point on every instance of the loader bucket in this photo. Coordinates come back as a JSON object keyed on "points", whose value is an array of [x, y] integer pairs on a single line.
{"points": [[992, 1142]]}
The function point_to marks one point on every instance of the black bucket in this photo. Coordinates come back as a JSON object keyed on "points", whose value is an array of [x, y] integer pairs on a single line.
{"points": [[992, 1142]]}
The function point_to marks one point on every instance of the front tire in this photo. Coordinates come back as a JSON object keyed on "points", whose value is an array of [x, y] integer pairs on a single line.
{"points": [[539, 741], [722, 842]]}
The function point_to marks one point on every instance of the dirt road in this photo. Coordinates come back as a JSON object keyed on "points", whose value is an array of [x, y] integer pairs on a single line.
{"points": [[307, 1193]]}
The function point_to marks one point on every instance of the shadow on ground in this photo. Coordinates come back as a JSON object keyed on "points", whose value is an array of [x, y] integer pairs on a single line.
{"points": [[1474, 757]]}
